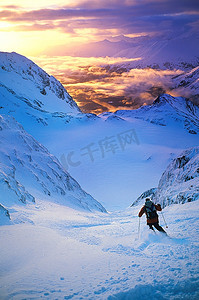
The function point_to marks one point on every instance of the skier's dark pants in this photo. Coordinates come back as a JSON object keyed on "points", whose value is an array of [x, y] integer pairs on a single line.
{"points": [[157, 226]]}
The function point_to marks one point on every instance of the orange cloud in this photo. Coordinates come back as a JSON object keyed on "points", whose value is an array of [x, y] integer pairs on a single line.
{"points": [[103, 84]]}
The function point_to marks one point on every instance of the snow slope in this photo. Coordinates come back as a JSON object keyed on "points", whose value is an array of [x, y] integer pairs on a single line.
{"points": [[29, 172], [66, 255]]}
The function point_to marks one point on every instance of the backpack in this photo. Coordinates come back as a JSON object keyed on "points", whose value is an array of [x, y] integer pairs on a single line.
{"points": [[150, 210]]}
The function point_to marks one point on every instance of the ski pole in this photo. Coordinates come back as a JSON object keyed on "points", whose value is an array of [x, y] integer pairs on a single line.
{"points": [[164, 219], [139, 229]]}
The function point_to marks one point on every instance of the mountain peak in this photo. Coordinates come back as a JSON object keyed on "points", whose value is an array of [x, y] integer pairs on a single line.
{"points": [[166, 98], [15, 62], [177, 109], [177, 103]]}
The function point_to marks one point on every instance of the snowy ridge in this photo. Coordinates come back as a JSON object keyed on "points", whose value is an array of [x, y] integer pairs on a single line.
{"points": [[48, 93], [179, 183], [29, 172], [165, 110]]}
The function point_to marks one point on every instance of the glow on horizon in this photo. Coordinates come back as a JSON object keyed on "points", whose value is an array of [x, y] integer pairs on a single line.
{"points": [[33, 27], [36, 4], [27, 37]]}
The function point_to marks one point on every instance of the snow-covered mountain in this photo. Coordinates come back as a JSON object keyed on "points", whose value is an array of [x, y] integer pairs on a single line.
{"points": [[22, 77], [179, 52], [141, 199], [155, 52], [29, 172], [165, 110], [189, 79], [188, 82], [107, 47], [180, 181], [33, 97]]}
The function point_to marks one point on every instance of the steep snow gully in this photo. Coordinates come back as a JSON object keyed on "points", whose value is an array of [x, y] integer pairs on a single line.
{"points": [[57, 241]]}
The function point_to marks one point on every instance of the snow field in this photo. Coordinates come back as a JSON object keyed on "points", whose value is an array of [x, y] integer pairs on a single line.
{"points": [[65, 254]]}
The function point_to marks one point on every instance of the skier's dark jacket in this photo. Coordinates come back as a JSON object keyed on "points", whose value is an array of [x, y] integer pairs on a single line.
{"points": [[155, 219]]}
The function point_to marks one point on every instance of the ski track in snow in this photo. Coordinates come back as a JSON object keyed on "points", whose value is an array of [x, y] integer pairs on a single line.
{"points": [[58, 253]]}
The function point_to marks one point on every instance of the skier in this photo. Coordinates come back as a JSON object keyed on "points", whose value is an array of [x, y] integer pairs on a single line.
{"points": [[152, 217]]}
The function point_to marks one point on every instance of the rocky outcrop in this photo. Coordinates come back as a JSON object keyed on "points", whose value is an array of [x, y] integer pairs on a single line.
{"points": [[180, 181]]}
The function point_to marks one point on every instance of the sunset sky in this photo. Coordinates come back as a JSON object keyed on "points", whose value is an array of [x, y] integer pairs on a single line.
{"points": [[31, 27], [38, 28]]}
